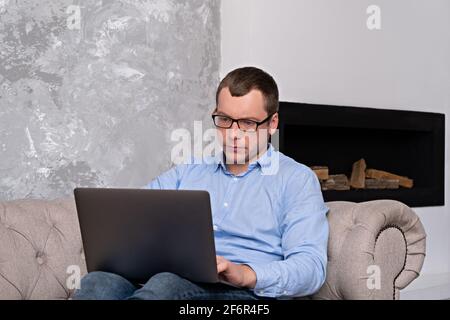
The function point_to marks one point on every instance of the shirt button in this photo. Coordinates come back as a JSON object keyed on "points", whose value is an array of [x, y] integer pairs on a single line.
{"points": [[285, 292], [235, 179], [225, 204], [261, 292], [215, 228]]}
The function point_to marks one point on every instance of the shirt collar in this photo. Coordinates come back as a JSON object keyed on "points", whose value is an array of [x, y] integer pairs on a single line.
{"points": [[262, 162]]}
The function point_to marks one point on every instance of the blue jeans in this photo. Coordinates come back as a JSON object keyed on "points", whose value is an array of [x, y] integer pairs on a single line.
{"points": [[162, 286]]}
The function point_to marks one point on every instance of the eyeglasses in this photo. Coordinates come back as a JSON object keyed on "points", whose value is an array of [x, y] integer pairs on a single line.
{"points": [[247, 125]]}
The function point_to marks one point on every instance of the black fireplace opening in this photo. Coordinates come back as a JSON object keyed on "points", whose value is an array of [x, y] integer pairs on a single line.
{"points": [[407, 143]]}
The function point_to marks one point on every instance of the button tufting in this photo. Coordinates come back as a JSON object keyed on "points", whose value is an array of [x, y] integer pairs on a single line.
{"points": [[40, 258]]}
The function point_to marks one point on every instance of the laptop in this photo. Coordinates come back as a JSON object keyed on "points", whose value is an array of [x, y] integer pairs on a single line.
{"points": [[137, 233]]}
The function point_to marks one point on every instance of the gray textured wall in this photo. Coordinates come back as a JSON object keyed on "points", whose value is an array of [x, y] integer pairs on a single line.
{"points": [[90, 99]]}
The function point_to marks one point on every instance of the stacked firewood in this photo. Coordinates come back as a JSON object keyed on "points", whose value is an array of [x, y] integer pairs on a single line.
{"points": [[361, 178]]}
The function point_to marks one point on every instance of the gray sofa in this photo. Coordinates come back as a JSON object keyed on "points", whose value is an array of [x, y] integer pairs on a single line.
{"points": [[376, 248]]}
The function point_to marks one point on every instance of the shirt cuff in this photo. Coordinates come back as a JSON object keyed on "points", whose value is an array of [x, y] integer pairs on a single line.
{"points": [[263, 286]]}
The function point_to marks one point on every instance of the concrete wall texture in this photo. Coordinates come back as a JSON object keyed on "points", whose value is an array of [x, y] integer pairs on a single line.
{"points": [[91, 90]]}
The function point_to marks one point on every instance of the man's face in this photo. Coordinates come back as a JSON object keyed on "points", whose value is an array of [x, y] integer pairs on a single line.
{"points": [[241, 147]]}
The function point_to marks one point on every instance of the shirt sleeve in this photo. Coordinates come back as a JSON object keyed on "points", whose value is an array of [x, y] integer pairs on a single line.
{"points": [[304, 228], [169, 179]]}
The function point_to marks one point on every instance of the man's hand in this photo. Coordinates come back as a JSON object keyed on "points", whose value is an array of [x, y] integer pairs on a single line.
{"points": [[239, 275]]}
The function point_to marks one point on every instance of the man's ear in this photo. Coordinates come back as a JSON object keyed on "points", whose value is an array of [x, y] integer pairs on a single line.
{"points": [[273, 125]]}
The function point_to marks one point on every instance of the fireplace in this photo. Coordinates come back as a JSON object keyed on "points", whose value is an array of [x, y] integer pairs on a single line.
{"points": [[406, 143]]}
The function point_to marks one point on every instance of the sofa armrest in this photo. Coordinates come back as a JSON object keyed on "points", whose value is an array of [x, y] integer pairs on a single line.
{"points": [[376, 248]]}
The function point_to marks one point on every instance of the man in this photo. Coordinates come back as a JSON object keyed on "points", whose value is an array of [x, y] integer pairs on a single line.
{"points": [[270, 226]]}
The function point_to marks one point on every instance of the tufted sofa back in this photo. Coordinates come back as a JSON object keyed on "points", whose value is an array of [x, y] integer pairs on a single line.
{"points": [[39, 242]]}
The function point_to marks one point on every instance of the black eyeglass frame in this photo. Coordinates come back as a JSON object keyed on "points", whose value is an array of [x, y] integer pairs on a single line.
{"points": [[237, 121]]}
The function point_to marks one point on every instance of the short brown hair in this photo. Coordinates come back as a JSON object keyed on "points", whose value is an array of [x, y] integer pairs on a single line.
{"points": [[241, 81]]}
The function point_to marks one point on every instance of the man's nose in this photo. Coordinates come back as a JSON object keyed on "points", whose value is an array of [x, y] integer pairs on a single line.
{"points": [[234, 130]]}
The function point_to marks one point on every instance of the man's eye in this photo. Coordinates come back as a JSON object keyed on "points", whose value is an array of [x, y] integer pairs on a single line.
{"points": [[247, 122], [223, 119]]}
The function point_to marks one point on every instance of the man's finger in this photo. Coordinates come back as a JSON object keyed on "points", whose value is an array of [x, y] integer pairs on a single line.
{"points": [[221, 267]]}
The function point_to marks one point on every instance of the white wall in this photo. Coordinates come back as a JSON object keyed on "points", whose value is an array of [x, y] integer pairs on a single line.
{"points": [[321, 51]]}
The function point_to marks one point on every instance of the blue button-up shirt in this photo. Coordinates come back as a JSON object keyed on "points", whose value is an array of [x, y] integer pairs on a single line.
{"points": [[271, 217]]}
